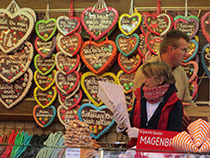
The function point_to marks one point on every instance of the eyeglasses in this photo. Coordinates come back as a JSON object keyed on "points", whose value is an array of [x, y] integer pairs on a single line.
{"points": [[183, 49]]}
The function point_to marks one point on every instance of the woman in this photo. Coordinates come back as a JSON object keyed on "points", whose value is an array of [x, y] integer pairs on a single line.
{"points": [[156, 105]]}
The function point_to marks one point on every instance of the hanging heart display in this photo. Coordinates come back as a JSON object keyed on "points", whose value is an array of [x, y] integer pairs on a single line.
{"points": [[126, 80], [89, 83], [191, 51], [44, 117], [148, 56], [129, 100], [205, 59], [188, 25], [205, 25], [66, 64], [129, 64], [45, 48], [142, 49], [127, 45], [13, 93], [46, 29], [98, 57], [44, 82], [13, 65], [97, 22], [102, 118], [15, 29], [143, 27], [69, 45], [191, 69], [45, 98], [193, 88], [129, 23]]}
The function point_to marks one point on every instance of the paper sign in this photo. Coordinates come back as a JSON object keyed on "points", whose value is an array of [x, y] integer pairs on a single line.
{"points": [[155, 140], [72, 152]]}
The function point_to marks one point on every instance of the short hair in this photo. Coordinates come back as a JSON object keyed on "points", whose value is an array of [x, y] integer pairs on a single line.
{"points": [[171, 39], [158, 69]]}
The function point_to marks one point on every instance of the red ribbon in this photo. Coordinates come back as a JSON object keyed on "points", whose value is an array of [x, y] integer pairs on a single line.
{"points": [[71, 9]]}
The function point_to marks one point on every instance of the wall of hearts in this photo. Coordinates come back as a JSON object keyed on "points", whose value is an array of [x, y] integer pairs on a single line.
{"points": [[57, 59]]}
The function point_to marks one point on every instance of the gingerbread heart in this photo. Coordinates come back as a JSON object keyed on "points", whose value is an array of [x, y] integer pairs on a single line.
{"points": [[30, 11], [44, 65], [45, 98], [44, 82], [205, 59], [102, 118], [143, 27], [46, 29], [44, 117], [129, 100], [205, 25], [66, 64], [191, 51], [15, 29], [89, 83], [153, 42], [191, 69], [193, 88], [68, 25], [72, 101], [45, 48], [13, 93], [129, 23], [70, 45], [127, 45], [188, 25], [13, 65], [129, 64], [65, 115], [159, 24], [66, 83], [98, 23], [142, 49], [98, 56], [149, 56], [126, 80]]}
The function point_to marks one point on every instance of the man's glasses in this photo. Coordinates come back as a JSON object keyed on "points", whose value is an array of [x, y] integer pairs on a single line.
{"points": [[183, 49]]}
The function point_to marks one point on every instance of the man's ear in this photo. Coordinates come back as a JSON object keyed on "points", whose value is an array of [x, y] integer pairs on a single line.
{"points": [[169, 49]]}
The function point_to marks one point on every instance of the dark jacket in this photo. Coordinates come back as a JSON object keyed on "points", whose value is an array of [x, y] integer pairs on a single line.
{"points": [[168, 115]]}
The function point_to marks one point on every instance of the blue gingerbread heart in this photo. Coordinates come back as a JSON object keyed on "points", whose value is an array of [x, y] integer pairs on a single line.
{"points": [[205, 59], [192, 50]]}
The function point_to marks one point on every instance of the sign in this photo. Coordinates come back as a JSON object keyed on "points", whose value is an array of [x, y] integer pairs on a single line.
{"points": [[155, 140], [72, 152]]}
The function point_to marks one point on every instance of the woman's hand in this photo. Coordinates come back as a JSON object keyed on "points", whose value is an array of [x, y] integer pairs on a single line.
{"points": [[133, 132]]}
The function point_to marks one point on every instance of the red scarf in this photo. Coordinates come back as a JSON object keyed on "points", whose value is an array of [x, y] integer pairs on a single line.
{"points": [[155, 94]]}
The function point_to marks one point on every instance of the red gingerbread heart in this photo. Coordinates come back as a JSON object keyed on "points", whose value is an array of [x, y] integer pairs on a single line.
{"points": [[191, 69], [142, 49], [205, 24]]}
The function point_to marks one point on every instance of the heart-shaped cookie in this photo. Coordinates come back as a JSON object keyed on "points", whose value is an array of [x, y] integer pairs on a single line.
{"points": [[13, 93], [72, 101], [191, 51], [193, 88], [129, 100], [98, 56], [191, 69], [142, 49], [46, 29], [44, 65], [205, 59], [45, 98], [129, 64], [89, 83], [99, 119], [15, 29], [127, 45], [205, 25], [30, 11], [129, 23], [66, 64], [44, 82], [13, 65], [143, 27], [98, 23], [148, 56], [65, 115], [69, 45], [126, 80], [188, 25], [45, 48], [66, 83], [153, 42], [68, 25], [44, 117], [159, 24]]}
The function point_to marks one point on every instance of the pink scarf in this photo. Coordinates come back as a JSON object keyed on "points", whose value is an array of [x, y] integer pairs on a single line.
{"points": [[155, 94]]}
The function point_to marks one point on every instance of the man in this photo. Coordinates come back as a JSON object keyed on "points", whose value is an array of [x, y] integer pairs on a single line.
{"points": [[173, 50]]}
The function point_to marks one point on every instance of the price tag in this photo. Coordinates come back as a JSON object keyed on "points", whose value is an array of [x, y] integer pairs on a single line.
{"points": [[72, 152]]}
